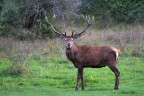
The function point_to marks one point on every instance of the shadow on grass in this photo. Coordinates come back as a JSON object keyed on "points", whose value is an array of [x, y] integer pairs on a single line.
{"points": [[99, 89]]}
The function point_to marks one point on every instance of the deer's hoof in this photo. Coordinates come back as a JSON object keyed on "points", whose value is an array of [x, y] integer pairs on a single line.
{"points": [[82, 88], [76, 89], [116, 88]]}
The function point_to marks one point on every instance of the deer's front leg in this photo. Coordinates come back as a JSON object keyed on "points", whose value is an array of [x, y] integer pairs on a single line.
{"points": [[82, 82], [79, 76], [78, 79]]}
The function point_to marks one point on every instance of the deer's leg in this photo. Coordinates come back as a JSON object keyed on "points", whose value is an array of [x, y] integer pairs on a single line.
{"points": [[82, 82], [79, 76], [117, 75]]}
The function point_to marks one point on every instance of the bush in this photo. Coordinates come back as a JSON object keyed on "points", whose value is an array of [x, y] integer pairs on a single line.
{"points": [[25, 19], [10, 13], [14, 71], [129, 11]]}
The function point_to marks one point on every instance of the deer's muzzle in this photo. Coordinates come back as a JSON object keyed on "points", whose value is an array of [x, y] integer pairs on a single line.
{"points": [[68, 46]]}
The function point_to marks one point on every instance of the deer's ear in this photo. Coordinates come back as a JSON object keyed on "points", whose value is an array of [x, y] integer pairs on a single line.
{"points": [[75, 37], [61, 35]]}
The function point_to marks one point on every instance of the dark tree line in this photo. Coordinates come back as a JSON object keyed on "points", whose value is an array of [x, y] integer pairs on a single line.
{"points": [[26, 18]]}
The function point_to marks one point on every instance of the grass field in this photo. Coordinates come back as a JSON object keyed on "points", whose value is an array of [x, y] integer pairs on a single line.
{"points": [[40, 68], [55, 76]]}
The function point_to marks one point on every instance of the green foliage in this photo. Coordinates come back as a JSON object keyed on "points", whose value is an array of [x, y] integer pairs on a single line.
{"points": [[23, 21], [127, 11], [16, 16], [10, 13], [9, 17]]}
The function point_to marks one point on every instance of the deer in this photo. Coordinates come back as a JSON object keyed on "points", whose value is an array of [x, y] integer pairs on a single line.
{"points": [[86, 56]]}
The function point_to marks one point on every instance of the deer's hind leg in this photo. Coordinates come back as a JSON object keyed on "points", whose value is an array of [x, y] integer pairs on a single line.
{"points": [[112, 66]]}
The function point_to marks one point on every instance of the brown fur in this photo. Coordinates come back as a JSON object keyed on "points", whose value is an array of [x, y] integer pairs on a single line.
{"points": [[89, 56], [95, 57]]}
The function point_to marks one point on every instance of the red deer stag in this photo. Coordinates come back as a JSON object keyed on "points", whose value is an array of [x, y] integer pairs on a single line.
{"points": [[85, 56]]}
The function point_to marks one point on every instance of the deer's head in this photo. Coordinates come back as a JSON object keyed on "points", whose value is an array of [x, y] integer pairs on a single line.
{"points": [[69, 40]]}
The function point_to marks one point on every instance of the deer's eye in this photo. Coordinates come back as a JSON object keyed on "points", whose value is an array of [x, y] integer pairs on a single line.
{"points": [[72, 39], [65, 39]]}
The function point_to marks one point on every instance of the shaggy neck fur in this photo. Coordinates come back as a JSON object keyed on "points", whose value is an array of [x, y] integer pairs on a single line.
{"points": [[71, 52]]}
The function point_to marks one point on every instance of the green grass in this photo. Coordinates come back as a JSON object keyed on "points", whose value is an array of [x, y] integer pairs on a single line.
{"points": [[56, 76]]}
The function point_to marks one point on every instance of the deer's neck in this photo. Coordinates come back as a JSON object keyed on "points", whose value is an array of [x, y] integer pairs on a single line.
{"points": [[72, 52]]}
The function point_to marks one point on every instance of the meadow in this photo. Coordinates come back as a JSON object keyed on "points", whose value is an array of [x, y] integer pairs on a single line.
{"points": [[58, 77], [40, 67]]}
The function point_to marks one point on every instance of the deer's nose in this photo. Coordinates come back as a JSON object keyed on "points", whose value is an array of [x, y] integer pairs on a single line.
{"points": [[68, 44]]}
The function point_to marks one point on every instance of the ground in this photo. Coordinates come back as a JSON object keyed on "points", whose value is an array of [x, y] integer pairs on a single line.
{"points": [[55, 76]]}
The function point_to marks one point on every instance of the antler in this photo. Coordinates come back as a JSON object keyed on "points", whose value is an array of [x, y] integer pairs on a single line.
{"points": [[59, 33], [89, 23]]}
